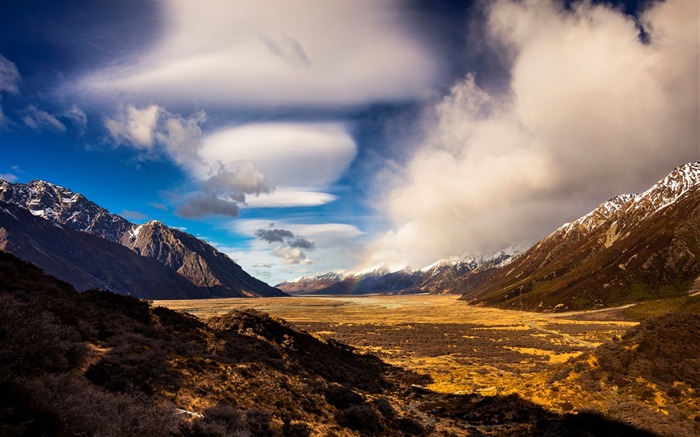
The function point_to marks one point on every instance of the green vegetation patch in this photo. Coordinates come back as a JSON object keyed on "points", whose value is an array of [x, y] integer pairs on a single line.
{"points": [[654, 308]]}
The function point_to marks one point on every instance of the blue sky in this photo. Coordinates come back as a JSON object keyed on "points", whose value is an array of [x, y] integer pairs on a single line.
{"points": [[303, 137]]}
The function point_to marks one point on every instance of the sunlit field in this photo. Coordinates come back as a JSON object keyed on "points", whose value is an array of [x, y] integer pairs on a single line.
{"points": [[464, 349]]}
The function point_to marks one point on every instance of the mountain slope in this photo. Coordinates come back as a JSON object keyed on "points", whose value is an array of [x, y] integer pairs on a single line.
{"points": [[88, 261], [198, 262], [653, 369], [630, 248]]}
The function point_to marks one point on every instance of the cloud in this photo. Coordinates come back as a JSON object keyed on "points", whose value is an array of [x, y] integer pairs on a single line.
{"points": [[39, 120], [239, 176], [134, 126], [285, 151], [291, 255], [591, 111], [249, 159], [221, 187], [202, 204], [78, 117], [282, 197], [273, 235], [10, 78], [133, 215], [263, 155], [182, 137], [157, 205], [290, 247], [336, 245], [302, 243], [9, 177], [246, 54]]}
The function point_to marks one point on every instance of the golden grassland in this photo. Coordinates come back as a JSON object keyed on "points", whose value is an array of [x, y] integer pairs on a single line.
{"points": [[465, 349]]}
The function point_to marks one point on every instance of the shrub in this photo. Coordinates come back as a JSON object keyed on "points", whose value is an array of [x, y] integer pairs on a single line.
{"points": [[360, 417]]}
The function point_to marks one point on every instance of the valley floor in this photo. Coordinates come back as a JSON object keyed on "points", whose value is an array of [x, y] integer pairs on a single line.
{"points": [[464, 349]]}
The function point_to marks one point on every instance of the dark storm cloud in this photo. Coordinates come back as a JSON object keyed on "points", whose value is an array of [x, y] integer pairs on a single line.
{"points": [[290, 247], [302, 243], [203, 204], [273, 235]]}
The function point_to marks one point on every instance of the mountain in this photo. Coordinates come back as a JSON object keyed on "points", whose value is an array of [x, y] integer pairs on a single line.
{"points": [[195, 260], [630, 248], [380, 280], [438, 277], [443, 276], [88, 261]]}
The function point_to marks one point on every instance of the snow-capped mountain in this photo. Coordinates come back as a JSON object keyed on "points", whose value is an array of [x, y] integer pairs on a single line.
{"points": [[195, 260], [61, 205], [438, 277], [87, 261], [443, 275], [629, 248]]}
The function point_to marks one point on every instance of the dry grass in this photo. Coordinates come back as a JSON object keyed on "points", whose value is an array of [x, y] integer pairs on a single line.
{"points": [[465, 349]]}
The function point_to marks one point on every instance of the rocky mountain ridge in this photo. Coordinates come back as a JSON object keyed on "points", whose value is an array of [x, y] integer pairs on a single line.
{"points": [[630, 248], [88, 261], [436, 278], [195, 260]]}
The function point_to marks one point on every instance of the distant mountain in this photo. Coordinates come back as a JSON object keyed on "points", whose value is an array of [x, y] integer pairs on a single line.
{"points": [[444, 275], [369, 282], [439, 277], [630, 248], [88, 261], [195, 260]]}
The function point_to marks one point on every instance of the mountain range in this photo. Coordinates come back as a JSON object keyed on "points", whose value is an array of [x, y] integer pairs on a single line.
{"points": [[436, 278], [82, 243], [632, 247]]}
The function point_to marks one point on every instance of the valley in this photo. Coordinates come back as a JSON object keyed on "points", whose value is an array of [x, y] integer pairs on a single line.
{"points": [[463, 348]]}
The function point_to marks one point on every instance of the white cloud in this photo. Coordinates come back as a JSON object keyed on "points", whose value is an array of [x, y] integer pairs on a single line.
{"points": [[182, 138], [134, 126], [324, 234], [289, 154], [78, 117], [291, 255], [9, 76], [9, 177], [280, 198], [264, 54], [39, 120], [591, 112]]}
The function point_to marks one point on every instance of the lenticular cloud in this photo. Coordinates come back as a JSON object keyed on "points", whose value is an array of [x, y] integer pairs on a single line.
{"points": [[248, 54]]}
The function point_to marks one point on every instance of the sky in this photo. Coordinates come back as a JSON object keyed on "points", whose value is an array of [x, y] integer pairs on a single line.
{"points": [[302, 137]]}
